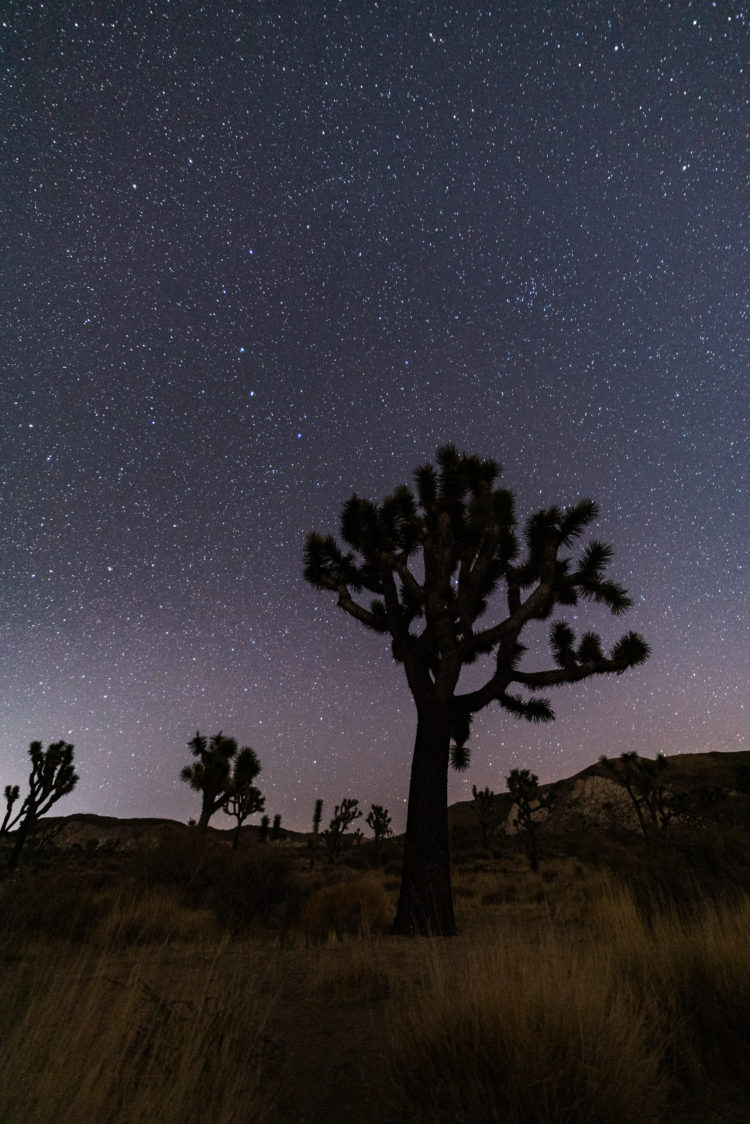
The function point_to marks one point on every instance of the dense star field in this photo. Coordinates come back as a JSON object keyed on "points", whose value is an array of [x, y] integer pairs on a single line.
{"points": [[261, 255]]}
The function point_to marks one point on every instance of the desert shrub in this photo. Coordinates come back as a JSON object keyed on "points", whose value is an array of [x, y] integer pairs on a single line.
{"points": [[346, 908], [500, 897], [253, 887], [51, 903], [352, 974], [139, 915], [683, 871], [242, 887], [186, 860]]}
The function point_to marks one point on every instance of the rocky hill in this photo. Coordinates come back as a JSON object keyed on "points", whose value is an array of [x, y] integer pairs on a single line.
{"points": [[84, 830], [596, 798]]}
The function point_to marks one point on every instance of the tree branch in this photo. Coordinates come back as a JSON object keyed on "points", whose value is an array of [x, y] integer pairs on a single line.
{"points": [[350, 606]]}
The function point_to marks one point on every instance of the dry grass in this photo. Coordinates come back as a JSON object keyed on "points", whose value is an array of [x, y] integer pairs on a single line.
{"points": [[563, 1000], [602, 1015], [138, 1037], [360, 908]]}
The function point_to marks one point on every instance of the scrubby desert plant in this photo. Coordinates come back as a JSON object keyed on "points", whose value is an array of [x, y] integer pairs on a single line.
{"points": [[345, 908]]}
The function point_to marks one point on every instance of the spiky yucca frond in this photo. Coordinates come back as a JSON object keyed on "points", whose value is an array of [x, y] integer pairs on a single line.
{"points": [[608, 593], [590, 648], [594, 560], [460, 758], [380, 617], [574, 520], [427, 486], [561, 641], [534, 709], [631, 650]]}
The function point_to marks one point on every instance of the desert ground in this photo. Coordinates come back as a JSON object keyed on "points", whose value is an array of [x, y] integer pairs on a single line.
{"points": [[177, 980]]}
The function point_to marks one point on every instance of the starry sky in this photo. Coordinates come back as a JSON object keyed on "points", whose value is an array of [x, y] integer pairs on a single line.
{"points": [[259, 255]]}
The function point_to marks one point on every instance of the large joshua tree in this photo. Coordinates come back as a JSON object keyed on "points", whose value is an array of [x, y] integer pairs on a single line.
{"points": [[432, 563]]}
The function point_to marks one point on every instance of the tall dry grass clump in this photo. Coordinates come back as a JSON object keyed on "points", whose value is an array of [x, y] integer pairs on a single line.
{"points": [[539, 1031], [618, 1017], [355, 908], [702, 969], [130, 1036]]}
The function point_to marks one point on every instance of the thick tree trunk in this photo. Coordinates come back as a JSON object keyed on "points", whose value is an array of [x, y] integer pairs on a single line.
{"points": [[425, 903], [22, 834]]}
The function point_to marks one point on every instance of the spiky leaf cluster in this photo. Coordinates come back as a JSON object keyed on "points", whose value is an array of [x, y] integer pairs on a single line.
{"points": [[460, 528]]}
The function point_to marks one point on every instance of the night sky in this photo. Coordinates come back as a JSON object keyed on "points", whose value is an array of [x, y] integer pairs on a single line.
{"points": [[259, 255]]}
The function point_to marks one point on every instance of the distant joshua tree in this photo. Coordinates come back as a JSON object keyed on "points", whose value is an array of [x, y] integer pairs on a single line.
{"points": [[379, 822], [313, 844], [221, 784], [529, 800], [641, 778], [344, 814], [265, 823], [424, 569], [244, 799], [484, 806], [52, 776], [276, 833]]}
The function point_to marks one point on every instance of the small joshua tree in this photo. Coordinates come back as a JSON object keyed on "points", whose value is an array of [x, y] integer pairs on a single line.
{"points": [[317, 817], [484, 806], [210, 774], [276, 832], [379, 822], [344, 814], [52, 776], [265, 823], [244, 799], [221, 772], [529, 800], [640, 776]]}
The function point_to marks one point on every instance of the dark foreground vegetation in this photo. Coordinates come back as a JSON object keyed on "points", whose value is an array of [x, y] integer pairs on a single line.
{"points": [[193, 981]]}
